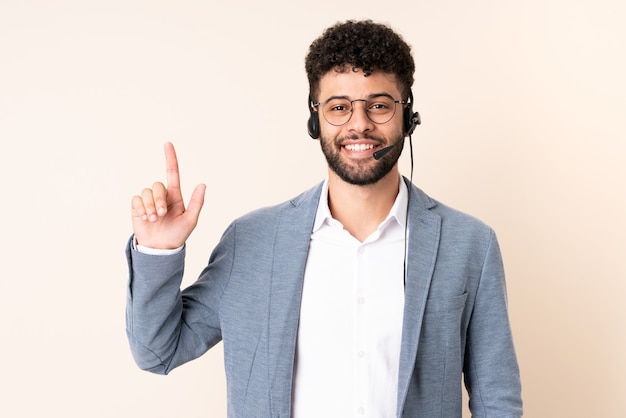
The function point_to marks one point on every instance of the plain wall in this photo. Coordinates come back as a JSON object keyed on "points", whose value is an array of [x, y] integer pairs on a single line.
{"points": [[522, 103]]}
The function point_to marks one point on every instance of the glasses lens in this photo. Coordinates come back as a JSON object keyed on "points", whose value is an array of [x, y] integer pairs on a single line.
{"points": [[381, 109], [339, 111]]}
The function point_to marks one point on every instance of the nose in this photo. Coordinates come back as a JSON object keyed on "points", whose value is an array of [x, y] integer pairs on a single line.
{"points": [[359, 120]]}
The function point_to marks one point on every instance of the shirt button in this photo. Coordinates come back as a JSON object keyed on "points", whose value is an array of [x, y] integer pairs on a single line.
{"points": [[361, 354], [360, 300], [361, 411], [361, 250]]}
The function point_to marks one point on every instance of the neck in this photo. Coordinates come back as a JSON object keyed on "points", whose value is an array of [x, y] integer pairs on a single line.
{"points": [[361, 209]]}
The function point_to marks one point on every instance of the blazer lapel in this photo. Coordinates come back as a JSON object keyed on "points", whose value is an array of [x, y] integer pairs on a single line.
{"points": [[424, 234], [291, 247]]}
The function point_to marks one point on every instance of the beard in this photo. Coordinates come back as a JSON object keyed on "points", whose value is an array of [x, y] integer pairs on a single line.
{"points": [[360, 172]]}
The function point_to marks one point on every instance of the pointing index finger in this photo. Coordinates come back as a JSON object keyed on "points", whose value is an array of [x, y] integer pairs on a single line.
{"points": [[171, 166]]}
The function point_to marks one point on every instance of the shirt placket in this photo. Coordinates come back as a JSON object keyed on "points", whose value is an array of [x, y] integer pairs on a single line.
{"points": [[361, 334]]}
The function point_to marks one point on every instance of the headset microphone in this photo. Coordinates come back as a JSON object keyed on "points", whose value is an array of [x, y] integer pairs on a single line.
{"points": [[382, 152]]}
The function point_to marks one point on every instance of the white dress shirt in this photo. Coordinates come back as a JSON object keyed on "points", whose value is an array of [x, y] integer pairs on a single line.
{"points": [[350, 330]]}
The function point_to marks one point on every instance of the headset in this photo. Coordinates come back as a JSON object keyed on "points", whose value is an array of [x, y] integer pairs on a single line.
{"points": [[410, 119]]}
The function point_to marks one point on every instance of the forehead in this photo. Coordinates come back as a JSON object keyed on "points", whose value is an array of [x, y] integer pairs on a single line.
{"points": [[354, 84]]}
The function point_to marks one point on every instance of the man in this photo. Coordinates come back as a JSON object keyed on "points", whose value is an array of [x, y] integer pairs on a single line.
{"points": [[360, 297]]}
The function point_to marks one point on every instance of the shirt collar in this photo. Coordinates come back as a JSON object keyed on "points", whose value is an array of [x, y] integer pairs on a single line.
{"points": [[397, 213]]}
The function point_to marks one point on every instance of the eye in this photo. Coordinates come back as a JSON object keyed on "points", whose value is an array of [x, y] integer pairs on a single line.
{"points": [[380, 106], [338, 106]]}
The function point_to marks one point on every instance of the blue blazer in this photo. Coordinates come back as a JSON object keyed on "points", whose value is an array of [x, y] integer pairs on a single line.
{"points": [[455, 325]]}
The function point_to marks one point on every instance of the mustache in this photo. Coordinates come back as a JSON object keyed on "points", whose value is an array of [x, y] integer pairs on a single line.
{"points": [[362, 136], [354, 137]]}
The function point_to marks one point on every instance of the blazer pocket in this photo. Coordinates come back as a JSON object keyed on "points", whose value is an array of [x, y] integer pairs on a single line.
{"points": [[439, 353], [441, 328], [439, 361], [443, 305]]}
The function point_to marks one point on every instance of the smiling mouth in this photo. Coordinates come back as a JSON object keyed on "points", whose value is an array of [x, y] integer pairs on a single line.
{"points": [[359, 147]]}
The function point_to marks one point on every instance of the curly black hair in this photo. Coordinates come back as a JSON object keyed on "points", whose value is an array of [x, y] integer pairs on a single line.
{"points": [[363, 45]]}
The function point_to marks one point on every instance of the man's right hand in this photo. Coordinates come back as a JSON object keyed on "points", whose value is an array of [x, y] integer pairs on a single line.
{"points": [[159, 217]]}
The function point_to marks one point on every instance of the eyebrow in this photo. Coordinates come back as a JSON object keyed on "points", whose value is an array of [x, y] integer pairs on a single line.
{"points": [[369, 97]]}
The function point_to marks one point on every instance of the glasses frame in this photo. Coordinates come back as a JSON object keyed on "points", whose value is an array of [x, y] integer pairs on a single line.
{"points": [[320, 107]]}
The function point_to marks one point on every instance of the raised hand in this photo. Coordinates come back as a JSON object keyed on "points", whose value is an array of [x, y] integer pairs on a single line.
{"points": [[159, 217]]}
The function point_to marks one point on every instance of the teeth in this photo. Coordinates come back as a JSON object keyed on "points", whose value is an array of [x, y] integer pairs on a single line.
{"points": [[359, 147]]}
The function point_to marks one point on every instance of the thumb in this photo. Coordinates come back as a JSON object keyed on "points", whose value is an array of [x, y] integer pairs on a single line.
{"points": [[196, 202]]}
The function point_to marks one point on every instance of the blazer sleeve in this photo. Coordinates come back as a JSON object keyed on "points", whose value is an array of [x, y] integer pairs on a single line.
{"points": [[165, 326], [491, 371]]}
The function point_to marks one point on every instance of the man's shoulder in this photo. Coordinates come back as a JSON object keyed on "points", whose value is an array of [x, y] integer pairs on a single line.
{"points": [[304, 204]]}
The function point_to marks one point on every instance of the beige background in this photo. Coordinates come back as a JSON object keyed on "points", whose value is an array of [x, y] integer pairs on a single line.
{"points": [[523, 106]]}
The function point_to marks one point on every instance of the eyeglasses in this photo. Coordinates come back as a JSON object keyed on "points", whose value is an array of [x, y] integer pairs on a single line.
{"points": [[338, 110]]}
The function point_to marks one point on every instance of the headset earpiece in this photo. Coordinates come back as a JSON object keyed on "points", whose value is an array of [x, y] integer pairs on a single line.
{"points": [[410, 119], [313, 124]]}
